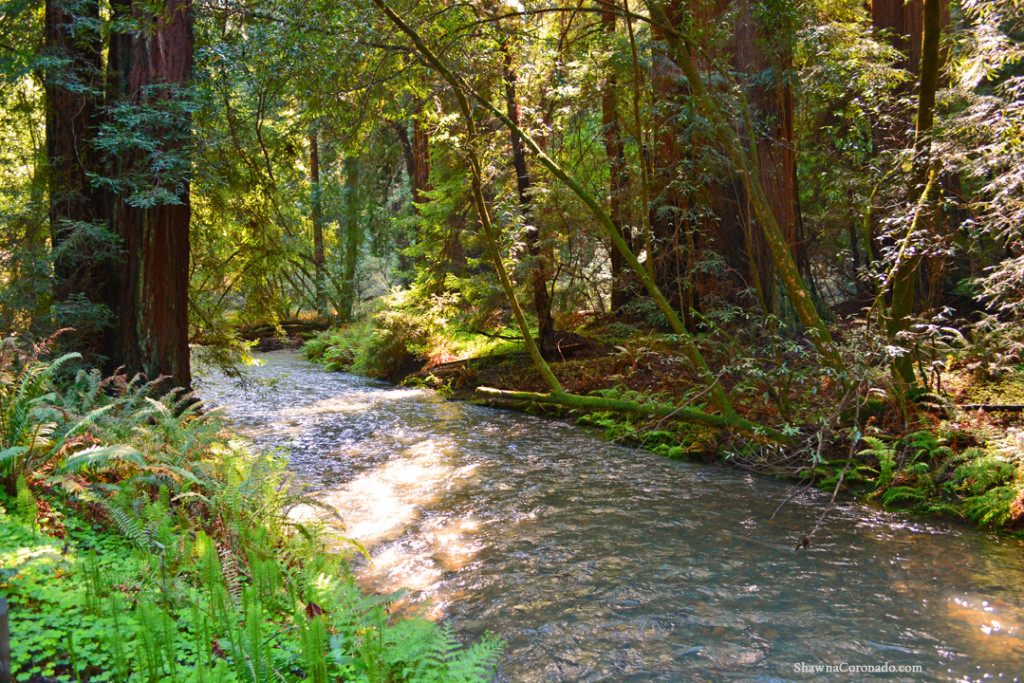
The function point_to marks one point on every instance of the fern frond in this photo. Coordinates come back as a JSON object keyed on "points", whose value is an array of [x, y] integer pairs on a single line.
{"points": [[991, 507], [903, 495], [99, 458], [129, 526]]}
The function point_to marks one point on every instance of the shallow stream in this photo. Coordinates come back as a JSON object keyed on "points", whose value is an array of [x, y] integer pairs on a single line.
{"points": [[601, 563]]}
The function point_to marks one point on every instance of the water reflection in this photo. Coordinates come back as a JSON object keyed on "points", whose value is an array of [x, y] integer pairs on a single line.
{"points": [[597, 563]]}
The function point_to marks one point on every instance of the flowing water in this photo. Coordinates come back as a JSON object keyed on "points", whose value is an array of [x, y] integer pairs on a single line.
{"points": [[600, 563]]}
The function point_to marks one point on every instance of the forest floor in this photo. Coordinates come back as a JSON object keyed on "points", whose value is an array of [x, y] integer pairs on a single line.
{"points": [[925, 454], [651, 365]]}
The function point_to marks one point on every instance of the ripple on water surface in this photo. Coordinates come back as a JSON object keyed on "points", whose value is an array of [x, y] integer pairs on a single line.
{"points": [[599, 563]]}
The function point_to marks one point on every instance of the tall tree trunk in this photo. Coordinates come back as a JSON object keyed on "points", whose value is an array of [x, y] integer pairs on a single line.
{"points": [[721, 216], [642, 138], [538, 280], [900, 24], [417, 158], [693, 220], [417, 166], [745, 159], [668, 260], [619, 189], [421, 162], [351, 238], [923, 189], [318, 220], [758, 53], [149, 67], [72, 91]]}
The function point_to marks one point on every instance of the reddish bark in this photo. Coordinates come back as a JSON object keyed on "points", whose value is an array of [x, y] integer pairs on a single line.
{"points": [[417, 158], [730, 230], [772, 109], [901, 24], [421, 162], [151, 283], [671, 231], [71, 98]]}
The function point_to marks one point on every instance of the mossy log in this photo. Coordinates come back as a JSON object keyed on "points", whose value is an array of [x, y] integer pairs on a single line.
{"points": [[733, 422], [290, 327]]}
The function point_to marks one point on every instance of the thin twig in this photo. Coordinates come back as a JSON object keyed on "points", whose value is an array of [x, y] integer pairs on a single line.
{"points": [[805, 542]]}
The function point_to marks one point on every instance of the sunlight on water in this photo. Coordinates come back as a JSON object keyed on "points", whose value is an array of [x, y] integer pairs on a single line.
{"points": [[379, 504], [331, 405], [598, 563]]}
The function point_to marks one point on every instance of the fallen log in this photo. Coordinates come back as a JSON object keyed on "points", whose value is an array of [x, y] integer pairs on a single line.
{"points": [[733, 423], [992, 407], [291, 327]]}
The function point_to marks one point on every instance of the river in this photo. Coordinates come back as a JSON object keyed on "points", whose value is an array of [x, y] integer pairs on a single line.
{"points": [[596, 562]]}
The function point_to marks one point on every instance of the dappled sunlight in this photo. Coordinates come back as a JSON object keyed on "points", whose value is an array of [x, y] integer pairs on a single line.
{"points": [[994, 626], [381, 503], [350, 402], [274, 428], [381, 506], [610, 562], [335, 404], [420, 568]]}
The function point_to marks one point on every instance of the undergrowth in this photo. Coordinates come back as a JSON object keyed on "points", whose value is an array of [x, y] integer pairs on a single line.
{"points": [[138, 542], [922, 473], [432, 330]]}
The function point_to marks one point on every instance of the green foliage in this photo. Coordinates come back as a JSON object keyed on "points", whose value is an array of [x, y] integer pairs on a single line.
{"points": [[411, 325], [97, 609], [921, 473], [180, 562], [25, 503], [903, 496], [981, 472], [886, 457], [996, 346], [992, 508], [25, 430]]}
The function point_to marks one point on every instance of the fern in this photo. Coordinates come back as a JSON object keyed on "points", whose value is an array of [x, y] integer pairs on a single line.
{"points": [[99, 458], [991, 507], [954, 458], [926, 445], [229, 570], [453, 664], [314, 348], [129, 526], [940, 508], [23, 426], [886, 457], [903, 495], [25, 503], [979, 474]]}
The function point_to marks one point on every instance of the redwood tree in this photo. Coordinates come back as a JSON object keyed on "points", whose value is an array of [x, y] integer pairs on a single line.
{"points": [[149, 68], [538, 280], [317, 218], [120, 176], [695, 216], [72, 49]]}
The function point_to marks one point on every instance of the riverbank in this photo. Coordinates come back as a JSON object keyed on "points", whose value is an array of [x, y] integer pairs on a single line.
{"points": [[600, 562], [920, 453], [141, 540]]}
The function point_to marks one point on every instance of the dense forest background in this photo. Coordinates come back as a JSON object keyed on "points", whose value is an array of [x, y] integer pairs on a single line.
{"points": [[805, 204], [305, 157]]}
